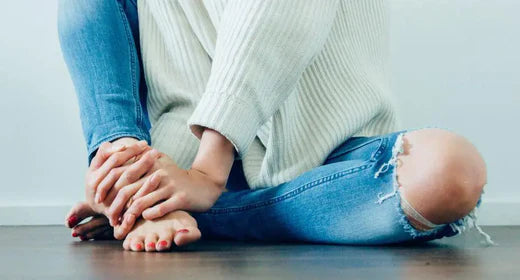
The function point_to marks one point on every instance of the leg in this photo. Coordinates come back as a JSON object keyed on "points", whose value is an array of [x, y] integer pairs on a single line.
{"points": [[98, 42], [440, 174], [339, 202]]}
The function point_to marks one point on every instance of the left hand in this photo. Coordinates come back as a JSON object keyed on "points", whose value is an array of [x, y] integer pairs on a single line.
{"points": [[168, 189]]}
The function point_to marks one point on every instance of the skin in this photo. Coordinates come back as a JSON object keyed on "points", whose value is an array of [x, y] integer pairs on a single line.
{"points": [[440, 173], [136, 176]]}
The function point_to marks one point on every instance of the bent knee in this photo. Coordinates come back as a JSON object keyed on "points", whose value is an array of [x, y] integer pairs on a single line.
{"points": [[441, 174]]}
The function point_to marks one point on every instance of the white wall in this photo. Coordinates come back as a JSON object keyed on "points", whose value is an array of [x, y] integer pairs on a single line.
{"points": [[455, 65]]}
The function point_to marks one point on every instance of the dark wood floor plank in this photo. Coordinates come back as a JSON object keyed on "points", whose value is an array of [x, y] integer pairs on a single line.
{"points": [[50, 253]]}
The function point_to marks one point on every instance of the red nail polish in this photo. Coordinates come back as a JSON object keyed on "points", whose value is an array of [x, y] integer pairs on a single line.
{"points": [[163, 243], [73, 220], [74, 234], [182, 231], [151, 245], [83, 238], [138, 246]]}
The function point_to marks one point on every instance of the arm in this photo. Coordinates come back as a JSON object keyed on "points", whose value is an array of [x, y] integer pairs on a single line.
{"points": [[262, 49]]}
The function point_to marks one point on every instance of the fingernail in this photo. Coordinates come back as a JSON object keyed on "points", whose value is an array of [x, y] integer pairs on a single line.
{"points": [[154, 153], [151, 245], [182, 231], [73, 220], [163, 243], [74, 234], [97, 198], [83, 237], [138, 246]]}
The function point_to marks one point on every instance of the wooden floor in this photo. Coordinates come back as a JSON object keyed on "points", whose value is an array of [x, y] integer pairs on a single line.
{"points": [[50, 253]]}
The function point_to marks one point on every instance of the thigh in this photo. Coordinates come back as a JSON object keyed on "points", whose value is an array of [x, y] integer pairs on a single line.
{"points": [[337, 202]]}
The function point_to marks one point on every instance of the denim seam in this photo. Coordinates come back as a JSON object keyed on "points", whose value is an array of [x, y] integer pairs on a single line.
{"points": [[338, 154], [382, 147], [132, 66], [292, 193], [133, 2]]}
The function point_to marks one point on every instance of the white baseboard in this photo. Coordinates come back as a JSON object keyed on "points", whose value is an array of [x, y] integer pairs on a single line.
{"points": [[490, 213]]}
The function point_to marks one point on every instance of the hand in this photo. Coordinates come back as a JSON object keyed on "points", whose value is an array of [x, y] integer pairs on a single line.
{"points": [[170, 188], [167, 189], [111, 167]]}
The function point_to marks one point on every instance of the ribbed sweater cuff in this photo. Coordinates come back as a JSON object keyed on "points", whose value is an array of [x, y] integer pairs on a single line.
{"points": [[233, 117]]}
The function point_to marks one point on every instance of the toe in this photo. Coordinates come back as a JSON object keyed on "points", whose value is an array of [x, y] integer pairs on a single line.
{"points": [[127, 242], [165, 241], [150, 242], [89, 226], [137, 244], [79, 212], [186, 235]]}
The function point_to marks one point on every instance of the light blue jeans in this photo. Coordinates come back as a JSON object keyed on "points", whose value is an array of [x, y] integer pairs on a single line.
{"points": [[351, 199], [100, 44]]}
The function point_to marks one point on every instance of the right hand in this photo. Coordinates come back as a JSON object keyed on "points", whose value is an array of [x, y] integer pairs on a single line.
{"points": [[112, 166]]}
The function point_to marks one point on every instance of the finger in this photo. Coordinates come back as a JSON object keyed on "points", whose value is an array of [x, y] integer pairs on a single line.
{"points": [[147, 201], [107, 183], [115, 160], [120, 231], [138, 206], [151, 184], [121, 199], [161, 209], [103, 153], [78, 213], [85, 228], [135, 171]]}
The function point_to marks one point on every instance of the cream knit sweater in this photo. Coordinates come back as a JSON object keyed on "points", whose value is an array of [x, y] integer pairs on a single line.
{"points": [[286, 81]]}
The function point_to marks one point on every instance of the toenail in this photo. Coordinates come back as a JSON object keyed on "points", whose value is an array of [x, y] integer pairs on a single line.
{"points": [[74, 234], [182, 230], [138, 246], [73, 220], [151, 245], [163, 243]]}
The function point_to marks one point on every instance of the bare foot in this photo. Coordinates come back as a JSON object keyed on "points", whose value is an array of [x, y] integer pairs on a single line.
{"points": [[97, 228], [157, 235]]}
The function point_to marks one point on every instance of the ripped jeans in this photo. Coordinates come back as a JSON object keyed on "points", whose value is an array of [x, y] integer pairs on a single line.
{"points": [[352, 198]]}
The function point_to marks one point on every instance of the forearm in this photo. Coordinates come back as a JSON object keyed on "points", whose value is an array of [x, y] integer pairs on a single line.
{"points": [[215, 156], [271, 43]]}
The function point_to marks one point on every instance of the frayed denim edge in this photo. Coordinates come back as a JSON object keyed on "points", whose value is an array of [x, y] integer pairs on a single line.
{"points": [[460, 226]]}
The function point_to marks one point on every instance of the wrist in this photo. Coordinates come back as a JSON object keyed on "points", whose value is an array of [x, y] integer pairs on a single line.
{"points": [[215, 157]]}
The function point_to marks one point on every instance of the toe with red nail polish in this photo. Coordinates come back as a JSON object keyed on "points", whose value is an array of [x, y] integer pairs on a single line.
{"points": [[73, 220]]}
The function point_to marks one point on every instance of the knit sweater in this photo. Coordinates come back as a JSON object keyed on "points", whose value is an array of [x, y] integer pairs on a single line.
{"points": [[285, 81]]}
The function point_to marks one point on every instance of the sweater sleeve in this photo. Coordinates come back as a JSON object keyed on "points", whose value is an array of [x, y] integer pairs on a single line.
{"points": [[262, 48]]}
